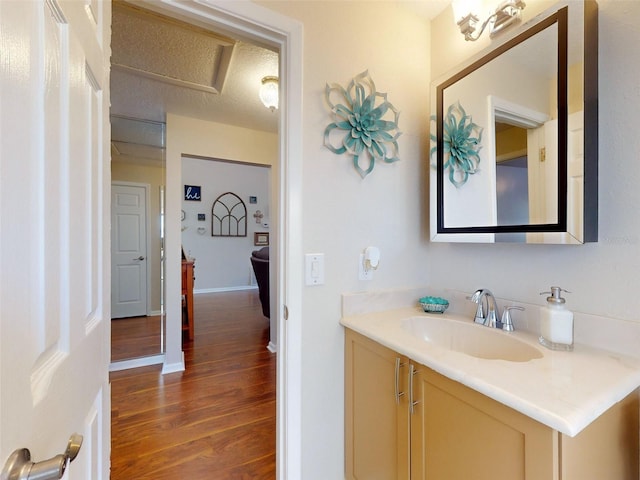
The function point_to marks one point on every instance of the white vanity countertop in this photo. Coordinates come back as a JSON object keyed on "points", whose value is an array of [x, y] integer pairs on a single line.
{"points": [[563, 390]]}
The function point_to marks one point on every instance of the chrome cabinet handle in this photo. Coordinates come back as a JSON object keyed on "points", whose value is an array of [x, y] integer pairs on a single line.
{"points": [[397, 383], [412, 402], [20, 467]]}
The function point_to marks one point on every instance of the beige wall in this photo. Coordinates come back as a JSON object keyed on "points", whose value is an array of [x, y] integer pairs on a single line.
{"points": [[189, 136], [217, 140], [154, 177], [600, 276], [342, 213], [450, 49]]}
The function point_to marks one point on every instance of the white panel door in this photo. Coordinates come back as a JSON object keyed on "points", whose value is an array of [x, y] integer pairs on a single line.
{"points": [[128, 251], [54, 231]]}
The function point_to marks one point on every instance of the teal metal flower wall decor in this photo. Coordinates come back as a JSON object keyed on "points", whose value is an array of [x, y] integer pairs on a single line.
{"points": [[359, 128], [462, 143]]}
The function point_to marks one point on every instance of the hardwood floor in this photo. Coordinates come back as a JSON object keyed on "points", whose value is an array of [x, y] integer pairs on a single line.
{"points": [[135, 337], [215, 420]]}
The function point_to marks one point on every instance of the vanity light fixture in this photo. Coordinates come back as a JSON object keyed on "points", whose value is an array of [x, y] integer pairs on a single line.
{"points": [[269, 92], [505, 14]]}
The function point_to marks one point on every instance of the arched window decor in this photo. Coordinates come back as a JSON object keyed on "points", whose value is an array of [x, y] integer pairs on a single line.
{"points": [[229, 216]]}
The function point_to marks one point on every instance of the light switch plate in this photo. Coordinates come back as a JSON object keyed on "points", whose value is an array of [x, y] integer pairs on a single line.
{"points": [[314, 268]]}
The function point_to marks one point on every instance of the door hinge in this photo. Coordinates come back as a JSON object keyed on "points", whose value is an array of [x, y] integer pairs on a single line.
{"points": [[543, 154]]}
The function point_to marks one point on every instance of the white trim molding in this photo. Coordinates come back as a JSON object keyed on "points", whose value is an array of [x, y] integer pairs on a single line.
{"points": [[265, 26]]}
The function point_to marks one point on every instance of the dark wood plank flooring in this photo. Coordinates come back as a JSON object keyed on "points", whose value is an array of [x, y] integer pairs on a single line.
{"points": [[134, 337], [215, 420]]}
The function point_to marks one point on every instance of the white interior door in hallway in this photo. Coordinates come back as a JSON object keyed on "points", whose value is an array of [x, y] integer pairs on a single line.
{"points": [[129, 261], [54, 233]]}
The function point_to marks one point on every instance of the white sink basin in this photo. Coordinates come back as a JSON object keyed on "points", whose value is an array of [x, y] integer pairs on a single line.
{"points": [[470, 338]]}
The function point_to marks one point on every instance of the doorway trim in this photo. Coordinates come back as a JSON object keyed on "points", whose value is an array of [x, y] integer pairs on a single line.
{"points": [[259, 24]]}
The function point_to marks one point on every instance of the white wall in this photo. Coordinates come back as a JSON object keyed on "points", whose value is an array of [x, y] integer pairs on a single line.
{"points": [[222, 263]]}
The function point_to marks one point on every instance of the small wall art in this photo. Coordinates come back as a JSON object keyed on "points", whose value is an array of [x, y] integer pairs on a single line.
{"points": [[261, 239], [228, 216], [365, 124], [202, 217], [462, 141], [253, 199], [192, 193]]}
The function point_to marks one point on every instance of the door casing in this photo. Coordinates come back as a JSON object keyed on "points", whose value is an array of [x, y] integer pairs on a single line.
{"points": [[262, 25]]}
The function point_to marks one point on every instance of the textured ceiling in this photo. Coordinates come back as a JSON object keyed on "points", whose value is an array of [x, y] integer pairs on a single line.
{"points": [[160, 65]]}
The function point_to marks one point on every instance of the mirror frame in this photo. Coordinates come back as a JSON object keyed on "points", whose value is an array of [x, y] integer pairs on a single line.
{"points": [[554, 232]]}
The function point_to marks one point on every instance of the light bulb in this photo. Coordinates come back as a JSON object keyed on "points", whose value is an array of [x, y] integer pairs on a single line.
{"points": [[269, 92]]}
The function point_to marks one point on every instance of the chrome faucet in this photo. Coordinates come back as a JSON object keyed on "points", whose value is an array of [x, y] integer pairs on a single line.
{"points": [[490, 318]]}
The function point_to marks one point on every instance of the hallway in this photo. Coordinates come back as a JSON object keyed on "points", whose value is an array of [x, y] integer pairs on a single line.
{"points": [[216, 419]]}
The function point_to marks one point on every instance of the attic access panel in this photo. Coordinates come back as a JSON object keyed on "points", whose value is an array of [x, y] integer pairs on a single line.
{"points": [[154, 46]]}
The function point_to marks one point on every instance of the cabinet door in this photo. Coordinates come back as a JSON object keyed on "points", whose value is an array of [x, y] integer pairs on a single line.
{"points": [[376, 419], [460, 434], [610, 444]]}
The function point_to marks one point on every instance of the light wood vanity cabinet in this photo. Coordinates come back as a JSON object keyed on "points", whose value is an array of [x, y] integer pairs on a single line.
{"points": [[456, 433], [377, 427]]}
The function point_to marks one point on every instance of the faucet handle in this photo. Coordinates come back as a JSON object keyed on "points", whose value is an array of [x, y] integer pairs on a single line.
{"points": [[507, 322], [477, 298]]}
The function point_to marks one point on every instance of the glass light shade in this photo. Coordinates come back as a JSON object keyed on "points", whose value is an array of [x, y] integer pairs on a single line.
{"points": [[269, 92]]}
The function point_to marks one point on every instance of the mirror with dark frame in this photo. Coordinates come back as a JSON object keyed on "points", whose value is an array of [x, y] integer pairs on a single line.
{"points": [[516, 137]]}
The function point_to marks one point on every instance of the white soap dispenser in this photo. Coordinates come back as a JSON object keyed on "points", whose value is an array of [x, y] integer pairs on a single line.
{"points": [[556, 322]]}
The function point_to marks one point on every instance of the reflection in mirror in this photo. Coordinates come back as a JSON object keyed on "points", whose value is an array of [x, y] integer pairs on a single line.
{"points": [[512, 177], [137, 235], [511, 89], [526, 96]]}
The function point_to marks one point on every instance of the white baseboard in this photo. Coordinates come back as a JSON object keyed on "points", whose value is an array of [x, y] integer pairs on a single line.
{"points": [[173, 367], [136, 363], [272, 347], [153, 313], [224, 289]]}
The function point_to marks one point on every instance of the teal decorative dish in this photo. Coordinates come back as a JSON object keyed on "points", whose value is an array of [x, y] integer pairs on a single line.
{"points": [[434, 304]]}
